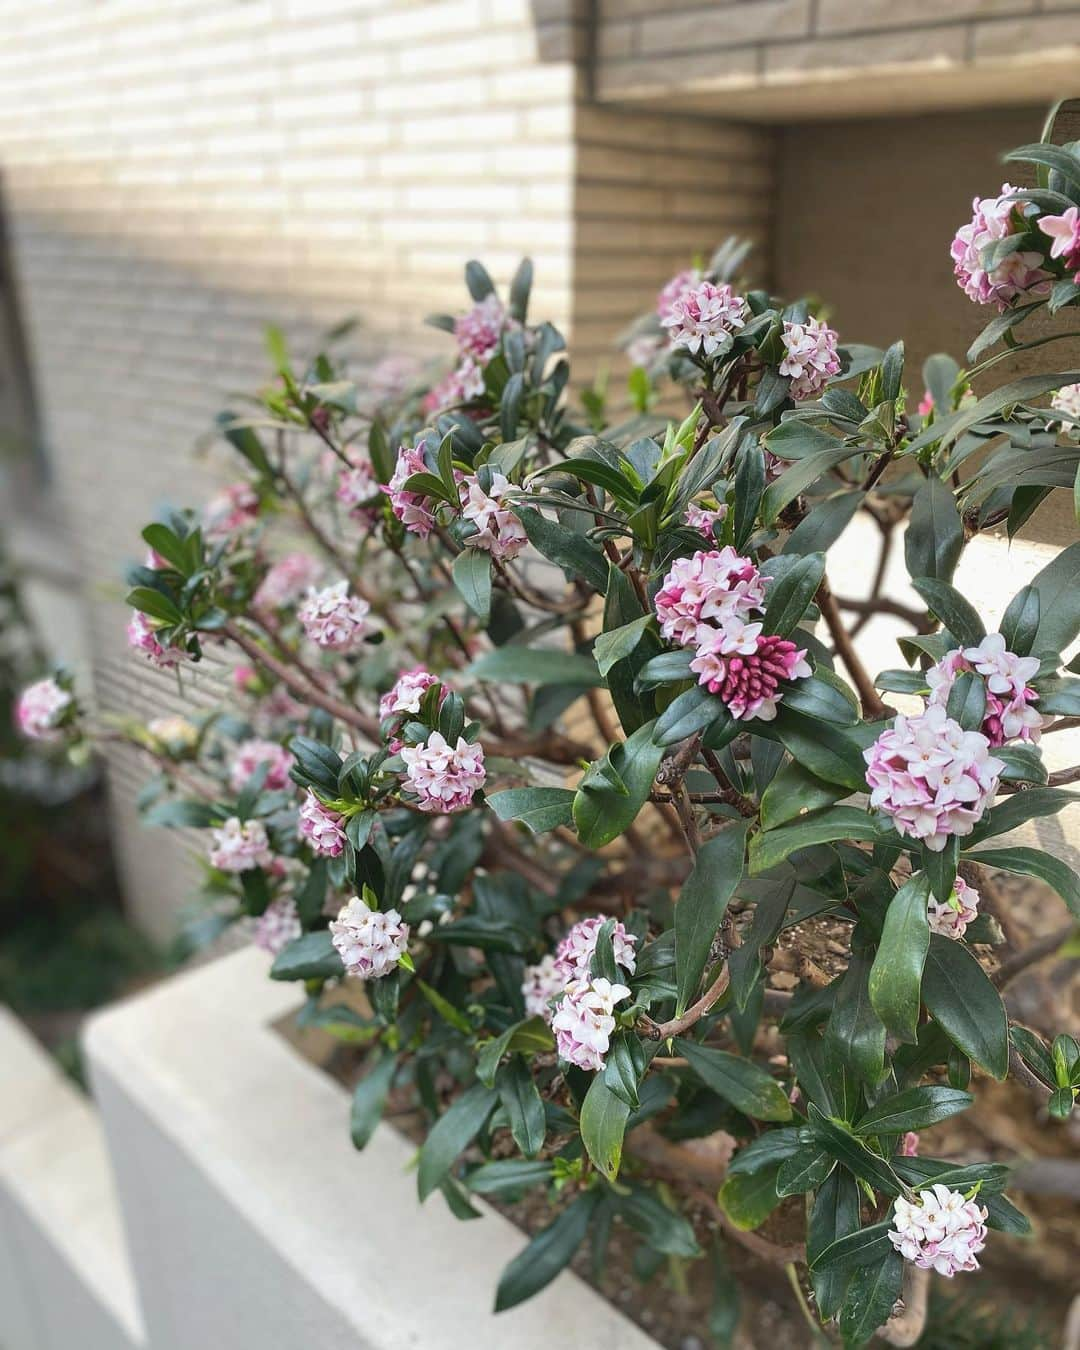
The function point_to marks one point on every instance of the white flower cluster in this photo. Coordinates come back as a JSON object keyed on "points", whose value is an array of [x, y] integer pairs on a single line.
{"points": [[939, 1230]]}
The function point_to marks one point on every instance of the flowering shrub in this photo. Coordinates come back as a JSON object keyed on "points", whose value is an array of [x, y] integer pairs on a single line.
{"points": [[548, 736]]}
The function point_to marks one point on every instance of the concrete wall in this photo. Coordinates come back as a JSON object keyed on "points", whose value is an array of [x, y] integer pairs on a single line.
{"points": [[774, 59]]}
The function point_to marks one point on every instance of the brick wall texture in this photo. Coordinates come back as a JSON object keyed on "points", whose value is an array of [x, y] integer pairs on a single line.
{"points": [[178, 173]]}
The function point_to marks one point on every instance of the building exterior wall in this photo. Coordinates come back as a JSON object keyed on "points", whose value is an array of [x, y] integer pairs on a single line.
{"points": [[783, 58]]}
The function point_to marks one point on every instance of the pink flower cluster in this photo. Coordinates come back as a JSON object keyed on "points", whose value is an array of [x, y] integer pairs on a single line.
{"points": [[250, 754], [41, 709], [939, 1230], [1018, 273], [404, 699], [810, 357], [357, 487], [444, 777], [333, 619], [277, 926], [415, 511], [478, 332], [142, 637], [542, 983], [499, 530], [931, 776], [323, 828], [551, 977], [1064, 230], [574, 954], [286, 581], [951, 917], [1067, 400], [584, 1021], [240, 847], [705, 318], [703, 518], [676, 289], [370, 942], [463, 384], [705, 603], [1009, 714], [229, 512]]}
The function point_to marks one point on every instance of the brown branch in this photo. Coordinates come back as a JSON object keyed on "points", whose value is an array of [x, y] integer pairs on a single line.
{"points": [[872, 706], [662, 1031], [1038, 951]]}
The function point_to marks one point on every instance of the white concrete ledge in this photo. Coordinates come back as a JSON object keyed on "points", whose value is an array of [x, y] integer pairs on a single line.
{"points": [[255, 1225], [65, 1282]]}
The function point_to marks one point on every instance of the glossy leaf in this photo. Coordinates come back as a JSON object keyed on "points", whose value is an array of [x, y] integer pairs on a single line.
{"points": [[749, 1089], [603, 1125], [701, 906], [549, 1252], [960, 997], [538, 808], [916, 1109], [896, 975], [369, 1099]]}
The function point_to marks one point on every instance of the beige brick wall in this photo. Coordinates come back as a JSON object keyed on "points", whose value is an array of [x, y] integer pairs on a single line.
{"points": [[775, 59]]}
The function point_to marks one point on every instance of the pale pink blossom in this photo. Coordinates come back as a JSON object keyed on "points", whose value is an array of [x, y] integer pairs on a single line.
{"points": [[939, 1230], [810, 357], [703, 518], [357, 487], [415, 510], [951, 917], [321, 827], [239, 847], [250, 755], [1064, 230], [444, 777], [1009, 715], [1019, 273], [584, 1021], [499, 530], [748, 681], [41, 710], [389, 379], [644, 349], [931, 776], [142, 637], [230, 512], [574, 954], [926, 404], [277, 926], [333, 619], [678, 287], [705, 318], [909, 1144], [542, 983], [155, 562], [404, 699], [370, 942], [710, 585], [286, 581], [478, 332], [463, 384], [1067, 400], [245, 679]]}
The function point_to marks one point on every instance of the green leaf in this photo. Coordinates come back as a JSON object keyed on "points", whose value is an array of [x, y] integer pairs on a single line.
{"points": [[692, 711], [538, 808], [832, 752], [552, 1249], [1020, 622], [803, 1172], [478, 280], [603, 1125], [867, 1165], [1032, 862], [838, 822], [472, 577], [369, 1099], [935, 533], [864, 1247], [749, 1089], [749, 486], [451, 1135], [570, 551], [508, 1174], [870, 1297], [802, 475], [796, 439], [794, 792], [892, 372], [513, 664], [824, 524], [618, 644], [311, 957], [948, 431], [666, 668], [748, 1198], [854, 1033], [1058, 585], [814, 696], [835, 1215], [663, 1229], [517, 1036], [960, 997], [601, 812], [702, 904], [155, 604], [788, 597], [916, 1109], [624, 1067], [523, 1105], [948, 605], [1019, 808], [967, 701], [520, 286], [164, 541], [896, 975], [182, 813]]}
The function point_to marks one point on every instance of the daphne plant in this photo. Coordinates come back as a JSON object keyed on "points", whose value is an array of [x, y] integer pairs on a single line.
{"points": [[554, 739]]}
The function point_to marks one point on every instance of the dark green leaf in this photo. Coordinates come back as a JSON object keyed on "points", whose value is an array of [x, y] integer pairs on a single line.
{"points": [[624, 1066], [852, 1153], [508, 1174], [514, 664], [824, 524], [451, 1135], [794, 792], [835, 1214], [472, 577], [896, 975], [865, 1247], [547, 1254], [601, 812], [956, 613], [838, 822], [804, 1172], [603, 1125], [870, 1297], [748, 1198], [311, 957], [538, 808], [369, 1098], [692, 711], [1020, 622], [1058, 585], [916, 1109], [935, 534], [960, 997], [662, 1228], [702, 904], [749, 1089], [524, 1108], [562, 546], [788, 597]]}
